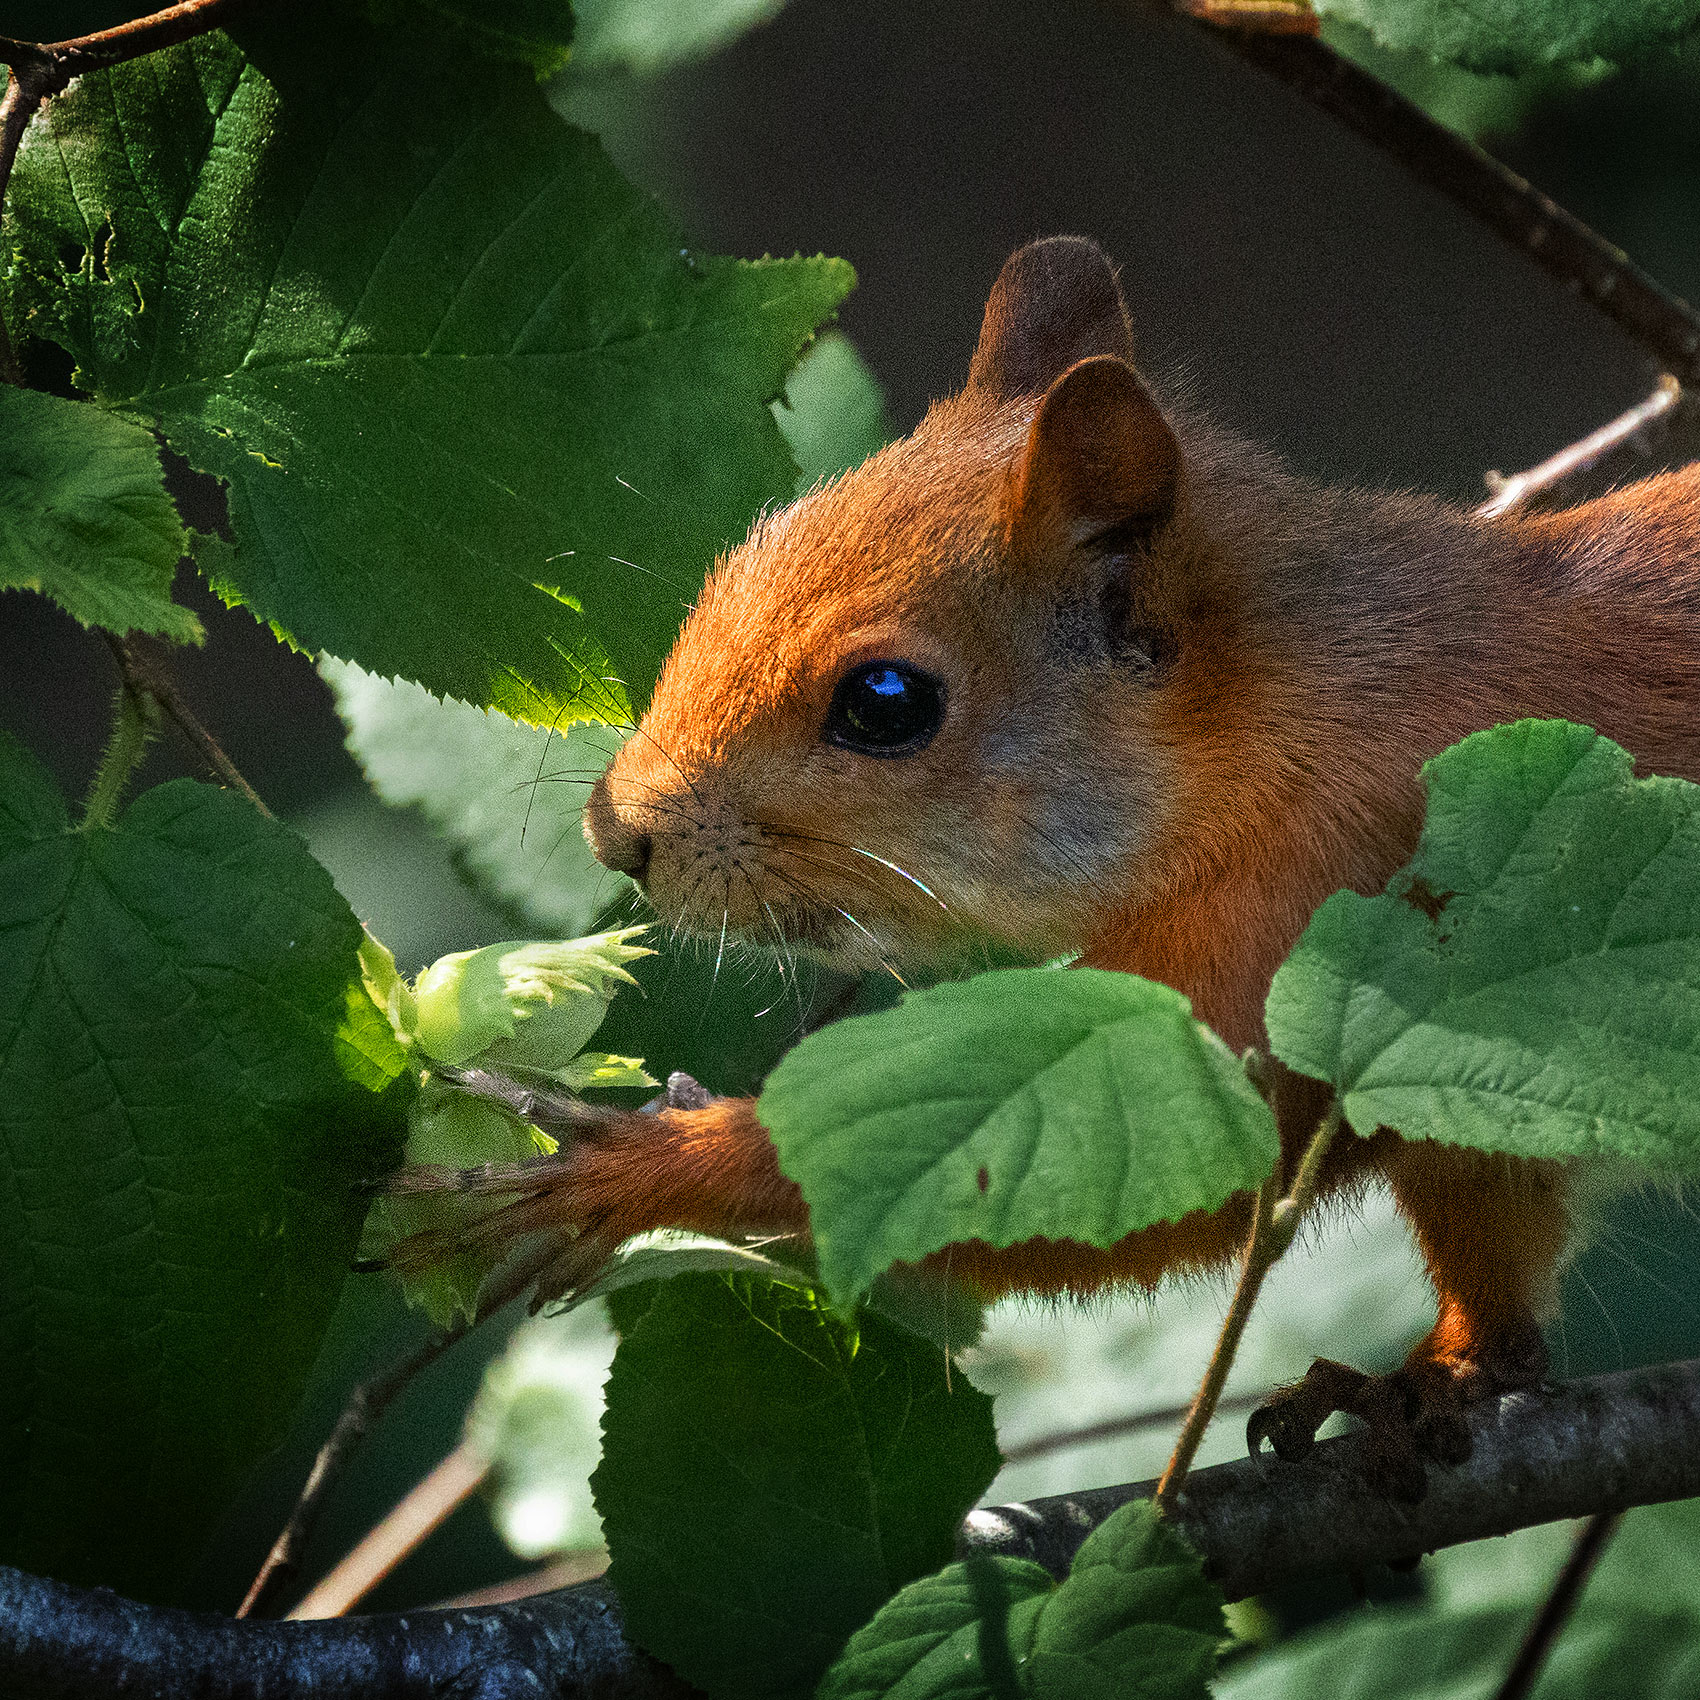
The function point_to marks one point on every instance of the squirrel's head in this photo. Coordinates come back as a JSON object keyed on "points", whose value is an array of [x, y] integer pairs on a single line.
{"points": [[935, 701]]}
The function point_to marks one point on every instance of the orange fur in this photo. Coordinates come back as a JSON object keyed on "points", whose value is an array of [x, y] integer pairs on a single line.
{"points": [[1189, 695]]}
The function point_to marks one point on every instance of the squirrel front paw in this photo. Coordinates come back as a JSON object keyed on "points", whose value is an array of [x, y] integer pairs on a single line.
{"points": [[687, 1160]]}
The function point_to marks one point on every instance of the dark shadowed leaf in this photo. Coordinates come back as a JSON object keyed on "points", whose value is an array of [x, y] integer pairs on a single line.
{"points": [[1134, 1617], [84, 516], [185, 1108], [771, 1476]]}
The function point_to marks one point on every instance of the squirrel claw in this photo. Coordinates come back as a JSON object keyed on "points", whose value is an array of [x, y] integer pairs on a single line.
{"points": [[1412, 1417], [1292, 1415], [1401, 1428]]}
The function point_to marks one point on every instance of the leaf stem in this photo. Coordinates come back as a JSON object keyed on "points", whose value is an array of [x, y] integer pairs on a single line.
{"points": [[1275, 1223], [134, 723]]}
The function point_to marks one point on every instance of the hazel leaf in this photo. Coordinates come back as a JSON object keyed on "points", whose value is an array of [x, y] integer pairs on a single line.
{"points": [[85, 517], [1073, 1104], [1530, 981]]}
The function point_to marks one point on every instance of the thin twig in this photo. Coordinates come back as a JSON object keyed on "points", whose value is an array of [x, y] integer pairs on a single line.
{"points": [[1512, 492], [365, 1405], [1113, 1428], [57, 62], [1555, 239], [1275, 1223], [146, 675], [1555, 1613], [420, 1511], [562, 1572]]}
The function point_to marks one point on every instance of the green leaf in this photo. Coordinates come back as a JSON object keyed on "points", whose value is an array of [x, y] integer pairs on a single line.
{"points": [[929, 1303], [85, 518], [833, 414], [507, 797], [959, 1635], [1134, 1616], [770, 1476], [1514, 36], [601, 1071], [484, 423], [1528, 983], [1077, 1104], [659, 1256], [646, 36], [181, 1131]]}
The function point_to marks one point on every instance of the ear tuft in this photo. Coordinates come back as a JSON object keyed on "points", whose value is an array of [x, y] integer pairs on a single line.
{"points": [[1098, 454], [1055, 302]]}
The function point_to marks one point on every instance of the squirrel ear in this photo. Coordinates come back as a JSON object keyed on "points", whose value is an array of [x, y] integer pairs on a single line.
{"points": [[1055, 302], [1098, 454]]}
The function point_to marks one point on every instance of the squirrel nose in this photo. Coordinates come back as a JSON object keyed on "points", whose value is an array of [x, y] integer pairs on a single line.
{"points": [[630, 858], [614, 844]]}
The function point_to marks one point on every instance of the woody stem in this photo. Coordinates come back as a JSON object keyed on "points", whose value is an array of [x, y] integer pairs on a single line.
{"points": [[146, 674], [1275, 1224]]}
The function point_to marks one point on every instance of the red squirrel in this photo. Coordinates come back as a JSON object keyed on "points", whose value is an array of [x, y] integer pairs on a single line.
{"points": [[1076, 671]]}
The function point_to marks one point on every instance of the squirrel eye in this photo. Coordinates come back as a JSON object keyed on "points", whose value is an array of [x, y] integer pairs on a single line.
{"points": [[885, 708]]}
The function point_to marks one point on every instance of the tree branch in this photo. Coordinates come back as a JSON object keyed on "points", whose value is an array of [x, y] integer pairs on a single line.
{"points": [[64, 1643], [1555, 239], [414, 1518], [1508, 493], [47, 66], [1574, 1450], [1556, 1609], [1583, 1447]]}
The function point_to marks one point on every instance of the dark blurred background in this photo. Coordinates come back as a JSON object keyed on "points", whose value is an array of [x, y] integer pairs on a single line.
{"points": [[1289, 277]]}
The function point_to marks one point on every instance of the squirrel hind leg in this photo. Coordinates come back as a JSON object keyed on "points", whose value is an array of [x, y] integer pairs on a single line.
{"points": [[1493, 1233]]}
